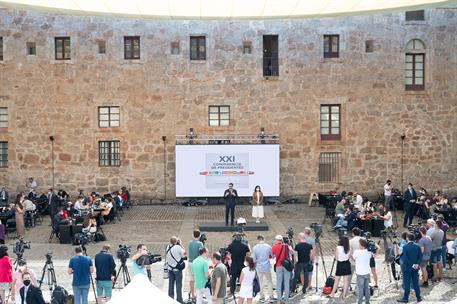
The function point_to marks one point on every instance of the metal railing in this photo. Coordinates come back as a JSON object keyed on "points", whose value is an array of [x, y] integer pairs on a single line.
{"points": [[202, 139]]}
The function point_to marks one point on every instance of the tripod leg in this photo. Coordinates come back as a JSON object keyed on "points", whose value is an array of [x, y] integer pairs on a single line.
{"points": [[322, 258]]}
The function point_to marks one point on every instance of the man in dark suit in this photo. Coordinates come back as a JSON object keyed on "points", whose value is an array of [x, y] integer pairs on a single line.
{"points": [[231, 198], [409, 205], [411, 257], [29, 293], [54, 203]]}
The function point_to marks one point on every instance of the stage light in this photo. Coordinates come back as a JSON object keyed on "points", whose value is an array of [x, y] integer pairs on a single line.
{"points": [[191, 136]]}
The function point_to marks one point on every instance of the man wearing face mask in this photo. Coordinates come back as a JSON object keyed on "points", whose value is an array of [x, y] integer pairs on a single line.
{"points": [[18, 283], [29, 293], [409, 197]]}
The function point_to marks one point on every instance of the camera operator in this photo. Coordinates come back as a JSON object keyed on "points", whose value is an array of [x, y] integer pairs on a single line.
{"points": [[218, 279], [411, 256], [194, 246], [81, 267], [174, 258], [18, 283], [362, 258], [105, 268], [305, 255], [238, 251], [141, 250], [426, 246], [29, 293]]}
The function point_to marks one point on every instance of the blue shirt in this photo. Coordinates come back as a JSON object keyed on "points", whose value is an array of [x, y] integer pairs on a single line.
{"points": [[81, 270], [138, 269], [261, 255], [105, 265]]}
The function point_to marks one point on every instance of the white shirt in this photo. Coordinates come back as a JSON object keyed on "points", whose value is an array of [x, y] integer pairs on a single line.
{"points": [[78, 205], [342, 256], [354, 243], [26, 288], [387, 190], [388, 220], [362, 261]]}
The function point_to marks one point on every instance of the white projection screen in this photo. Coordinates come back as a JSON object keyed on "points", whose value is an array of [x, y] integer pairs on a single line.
{"points": [[206, 170]]}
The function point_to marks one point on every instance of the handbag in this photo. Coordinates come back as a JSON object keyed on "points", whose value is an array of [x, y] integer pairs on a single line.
{"points": [[286, 262], [255, 285]]}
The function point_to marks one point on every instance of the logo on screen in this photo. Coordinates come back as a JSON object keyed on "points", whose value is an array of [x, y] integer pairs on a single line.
{"points": [[224, 169]]}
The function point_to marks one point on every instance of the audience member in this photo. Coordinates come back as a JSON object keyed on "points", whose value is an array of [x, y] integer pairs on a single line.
{"points": [[281, 251], [262, 253], [246, 281], [218, 279]]}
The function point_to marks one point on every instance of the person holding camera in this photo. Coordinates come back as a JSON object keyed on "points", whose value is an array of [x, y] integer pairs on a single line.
{"points": [[412, 257], [174, 257], [6, 271], [80, 267], [194, 246], [231, 198], [362, 258], [105, 268], [138, 268], [30, 294], [200, 268], [238, 251], [305, 254], [18, 283]]}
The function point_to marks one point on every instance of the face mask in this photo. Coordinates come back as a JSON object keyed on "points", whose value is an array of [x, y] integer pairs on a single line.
{"points": [[409, 187], [26, 282]]}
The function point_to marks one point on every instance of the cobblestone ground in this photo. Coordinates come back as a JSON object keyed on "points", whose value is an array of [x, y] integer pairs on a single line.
{"points": [[153, 225]]}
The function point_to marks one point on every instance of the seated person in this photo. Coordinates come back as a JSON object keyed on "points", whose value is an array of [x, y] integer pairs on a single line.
{"points": [[79, 203], [107, 207], [28, 205], [58, 220], [348, 220], [89, 224], [367, 207], [33, 195], [70, 210], [357, 200], [339, 209]]}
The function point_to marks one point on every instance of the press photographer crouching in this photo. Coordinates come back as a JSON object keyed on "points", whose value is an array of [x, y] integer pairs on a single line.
{"points": [[175, 256]]}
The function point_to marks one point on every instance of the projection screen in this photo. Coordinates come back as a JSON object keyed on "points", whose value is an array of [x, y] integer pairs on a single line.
{"points": [[206, 170]]}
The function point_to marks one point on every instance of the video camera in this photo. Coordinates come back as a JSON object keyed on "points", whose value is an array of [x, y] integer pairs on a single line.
{"points": [[371, 245], [415, 229], [203, 238], [123, 253], [149, 259], [20, 246], [48, 257], [317, 229], [290, 233]]}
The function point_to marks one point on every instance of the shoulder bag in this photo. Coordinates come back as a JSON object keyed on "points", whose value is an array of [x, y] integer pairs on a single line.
{"points": [[180, 265]]}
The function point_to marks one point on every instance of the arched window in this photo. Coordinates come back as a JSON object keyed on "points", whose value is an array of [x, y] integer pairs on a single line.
{"points": [[415, 65]]}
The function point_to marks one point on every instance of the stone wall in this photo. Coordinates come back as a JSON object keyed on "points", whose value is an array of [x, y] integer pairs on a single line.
{"points": [[164, 94]]}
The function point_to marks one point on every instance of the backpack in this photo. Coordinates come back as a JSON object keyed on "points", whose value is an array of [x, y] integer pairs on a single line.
{"points": [[59, 295], [99, 237], [330, 279]]}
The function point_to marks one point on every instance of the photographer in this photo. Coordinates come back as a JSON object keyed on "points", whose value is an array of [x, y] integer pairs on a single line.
{"points": [[426, 246], [281, 251], [18, 283], [238, 251], [175, 261], [194, 246], [141, 250], [305, 255], [105, 267], [81, 267]]}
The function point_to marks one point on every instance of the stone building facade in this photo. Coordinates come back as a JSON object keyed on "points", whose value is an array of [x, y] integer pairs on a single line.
{"points": [[164, 93]]}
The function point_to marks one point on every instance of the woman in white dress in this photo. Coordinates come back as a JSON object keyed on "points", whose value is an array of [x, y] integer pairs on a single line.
{"points": [[257, 204], [246, 280]]}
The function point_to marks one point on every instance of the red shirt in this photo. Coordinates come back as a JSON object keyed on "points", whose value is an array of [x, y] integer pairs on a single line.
{"points": [[277, 250], [6, 270]]}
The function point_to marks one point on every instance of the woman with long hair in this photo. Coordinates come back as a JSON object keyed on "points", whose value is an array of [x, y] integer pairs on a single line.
{"points": [[19, 215], [257, 204], [246, 280], [343, 266], [6, 271]]}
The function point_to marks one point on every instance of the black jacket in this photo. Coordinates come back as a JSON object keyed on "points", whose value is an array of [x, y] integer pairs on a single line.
{"points": [[407, 196], [34, 295], [232, 198]]}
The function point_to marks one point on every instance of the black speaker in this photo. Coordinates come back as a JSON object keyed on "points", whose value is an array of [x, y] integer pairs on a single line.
{"points": [[65, 234], [378, 226]]}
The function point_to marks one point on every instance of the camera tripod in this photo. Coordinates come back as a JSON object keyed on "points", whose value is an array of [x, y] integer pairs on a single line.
{"points": [[125, 273], [48, 273], [318, 245], [84, 249]]}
